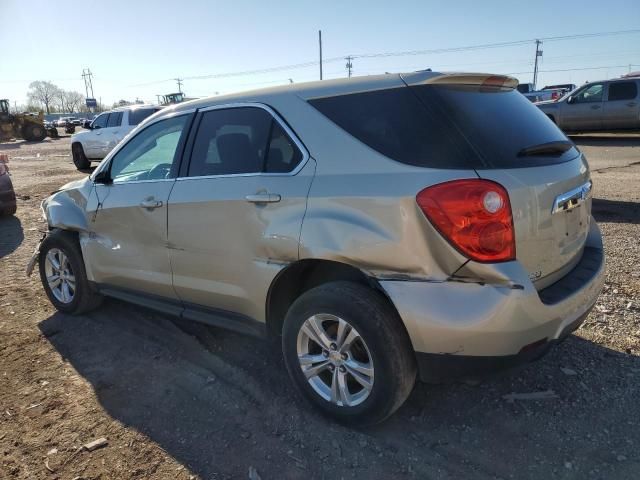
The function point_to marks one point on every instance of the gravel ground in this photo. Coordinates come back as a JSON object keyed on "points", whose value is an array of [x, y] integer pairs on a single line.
{"points": [[180, 400]]}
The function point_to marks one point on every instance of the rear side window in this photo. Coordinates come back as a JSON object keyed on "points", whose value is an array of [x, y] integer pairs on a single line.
{"points": [[139, 114], [115, 119], [282, 154], [241, 141], [395, 123], [622, 91], [230, 141], [442, 126]]}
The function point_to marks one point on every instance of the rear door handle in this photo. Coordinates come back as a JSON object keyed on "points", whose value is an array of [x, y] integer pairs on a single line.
{"points": [[595, 107], [263, 198], [150, 203], [631, 104]]}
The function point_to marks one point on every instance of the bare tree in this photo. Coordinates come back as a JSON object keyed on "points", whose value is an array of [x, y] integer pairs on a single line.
{"points": [[43, 92], [60, 99], [73, 100]]}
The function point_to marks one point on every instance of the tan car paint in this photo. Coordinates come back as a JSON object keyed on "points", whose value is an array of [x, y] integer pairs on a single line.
{"points": [[447, 303]]}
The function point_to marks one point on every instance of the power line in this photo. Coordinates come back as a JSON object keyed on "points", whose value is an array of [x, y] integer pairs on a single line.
{"points": [[576, 69], [395, 54]]}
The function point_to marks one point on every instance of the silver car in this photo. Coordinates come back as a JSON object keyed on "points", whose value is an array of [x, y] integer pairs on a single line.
{"points": [[606, 105], [385, 227]]}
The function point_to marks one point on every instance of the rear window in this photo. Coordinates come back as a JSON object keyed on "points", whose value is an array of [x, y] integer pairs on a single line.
{"points": [[446, 126], [139, 114], [115, 119]]}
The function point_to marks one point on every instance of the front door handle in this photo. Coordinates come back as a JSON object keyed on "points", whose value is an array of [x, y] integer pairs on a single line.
{"points": [[263, 198], [150, 203], [595, 107], [631, 104]]}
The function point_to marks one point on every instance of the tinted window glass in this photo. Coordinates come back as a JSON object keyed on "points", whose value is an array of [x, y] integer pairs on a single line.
{"points": [[115, 119], [230, 141], [150, 154], [590, 94], [456, 127], [622, 91], [498, 123], [139, 114], [282, 155], [395, 123], [100, 120]]}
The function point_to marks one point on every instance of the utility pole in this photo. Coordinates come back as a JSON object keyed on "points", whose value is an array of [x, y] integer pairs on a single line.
{"points": [[88, 84], [179, 80], [349, 64], [535, 66], [320, 44]]}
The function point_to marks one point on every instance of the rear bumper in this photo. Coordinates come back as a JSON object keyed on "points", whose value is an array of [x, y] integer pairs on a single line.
{"points": [[461, 329]]}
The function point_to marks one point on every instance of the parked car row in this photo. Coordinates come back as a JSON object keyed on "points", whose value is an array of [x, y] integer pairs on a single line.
{"points": [[550, 92], [385, 228]]}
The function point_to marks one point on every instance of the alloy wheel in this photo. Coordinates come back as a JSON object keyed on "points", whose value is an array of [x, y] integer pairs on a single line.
{"points": [[335, 360], [60, 276]]}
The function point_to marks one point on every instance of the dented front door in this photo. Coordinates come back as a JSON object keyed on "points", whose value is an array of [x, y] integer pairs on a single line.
{"points": [[229, 236]]}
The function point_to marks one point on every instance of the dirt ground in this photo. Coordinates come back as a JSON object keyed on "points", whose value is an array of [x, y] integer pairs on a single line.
{"points": [[185, 401]]}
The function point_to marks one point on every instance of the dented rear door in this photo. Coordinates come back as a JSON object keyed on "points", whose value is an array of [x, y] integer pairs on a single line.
{"points": [[230, 229]]}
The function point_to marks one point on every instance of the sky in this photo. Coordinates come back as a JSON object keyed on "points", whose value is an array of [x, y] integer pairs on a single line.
{"points": [[135, 48]]}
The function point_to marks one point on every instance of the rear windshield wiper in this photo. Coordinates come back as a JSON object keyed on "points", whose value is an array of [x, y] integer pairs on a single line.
{"points": [[549, 148]]}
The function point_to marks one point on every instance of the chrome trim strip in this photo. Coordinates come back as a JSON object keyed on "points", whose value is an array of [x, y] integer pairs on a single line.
{"points": [[281, 122], [572, 199], [142, 181]]}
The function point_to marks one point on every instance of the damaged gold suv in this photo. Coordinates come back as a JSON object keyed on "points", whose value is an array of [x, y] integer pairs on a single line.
{"points": [[386, 227]]}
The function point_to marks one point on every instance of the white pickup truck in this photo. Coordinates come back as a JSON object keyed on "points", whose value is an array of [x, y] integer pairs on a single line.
{"points": [[105, 131]]}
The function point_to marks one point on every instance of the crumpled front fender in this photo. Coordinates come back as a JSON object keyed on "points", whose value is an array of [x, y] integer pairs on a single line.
{"points": [[66, 209]]}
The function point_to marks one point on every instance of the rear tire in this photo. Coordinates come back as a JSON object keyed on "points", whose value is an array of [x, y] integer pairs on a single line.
{"points": [[359, 385], [63, 275], [80, 160]]}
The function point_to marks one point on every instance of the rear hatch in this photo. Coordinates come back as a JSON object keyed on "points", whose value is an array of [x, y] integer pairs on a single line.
{"points": [[510, 141]]}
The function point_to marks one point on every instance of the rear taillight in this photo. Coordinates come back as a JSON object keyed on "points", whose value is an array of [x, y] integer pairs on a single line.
{"points": [[474, 215]]}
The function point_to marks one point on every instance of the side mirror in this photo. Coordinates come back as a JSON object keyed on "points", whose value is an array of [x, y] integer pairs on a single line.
{"points": [[94, 127], [570, 99], [103, 177]]}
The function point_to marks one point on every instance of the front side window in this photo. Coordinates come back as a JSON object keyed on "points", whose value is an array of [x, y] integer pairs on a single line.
{"points": [[240, 141], [622, 91], [590, 94], [151, 154], [100, 121], [115, 119]]}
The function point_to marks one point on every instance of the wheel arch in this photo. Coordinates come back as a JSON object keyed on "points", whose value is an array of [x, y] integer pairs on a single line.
{"points": [[303, 275]]}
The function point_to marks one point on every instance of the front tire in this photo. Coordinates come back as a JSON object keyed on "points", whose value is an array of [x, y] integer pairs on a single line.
{"points": [[348, 353], [34, 132], [80, 160], [63, 275]]}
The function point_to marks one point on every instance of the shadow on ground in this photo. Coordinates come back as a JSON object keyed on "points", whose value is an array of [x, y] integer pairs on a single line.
{"points": [[615, 211], [11, 234], [219, 402], [620, 140]]}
